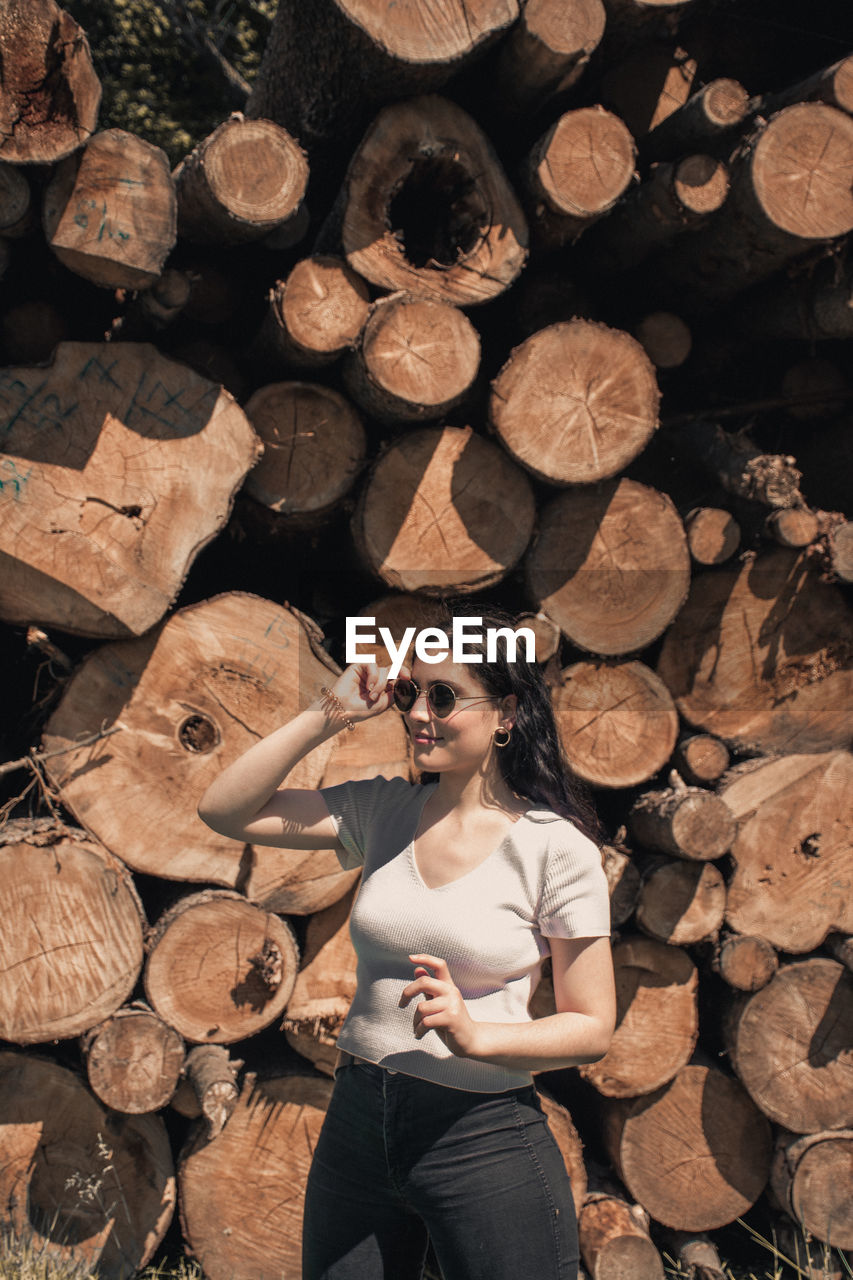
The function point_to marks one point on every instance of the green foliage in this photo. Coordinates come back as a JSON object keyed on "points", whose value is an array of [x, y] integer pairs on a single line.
{"points": [[159, 81]]}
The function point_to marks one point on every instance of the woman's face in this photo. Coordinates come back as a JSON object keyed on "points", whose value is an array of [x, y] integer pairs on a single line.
{"points": [[463, 739]]}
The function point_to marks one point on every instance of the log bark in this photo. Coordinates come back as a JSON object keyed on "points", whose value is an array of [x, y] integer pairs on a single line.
{"points": [[790, 1047], [443, 509], [261, 1158], [188, 699], [681, 902], [760, 655], [701, 759], [426, 207], [118, 466], [316, 313], [568, 1140], [811, 1176], [244, 180], [314, 447], [71, 946], [648, 85], [49, 91], [676, 197], [707, 122], [323, 69], [16, 202], [833, 84], [219, 969], [154, 309], [576, 172], [840, 947], [665, 338], [657, 1019], [814, 305], [210, 1076], [546, 52], [78, 1181], [609, 565], [841, 551], [687, 822], [617, 722], [32, 331], [793, 878], [325, 986], [696, 1154], [557, 416], [623, 880], [415, 360], [817, 388], [713, 534], [110, 213], [614, 1241], [746, 962], [695, 1254], [790, 190], [133, 1060], [740, 466]]}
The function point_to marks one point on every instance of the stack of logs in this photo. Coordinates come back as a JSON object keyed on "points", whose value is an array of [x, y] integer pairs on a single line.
{"points": [[543, 307]]}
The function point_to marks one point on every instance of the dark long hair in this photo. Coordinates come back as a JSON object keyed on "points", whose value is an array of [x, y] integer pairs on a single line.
{"points": [[534, 762]]}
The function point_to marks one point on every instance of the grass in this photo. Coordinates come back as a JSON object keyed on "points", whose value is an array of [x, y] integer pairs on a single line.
{"points": [[33, 1259]]}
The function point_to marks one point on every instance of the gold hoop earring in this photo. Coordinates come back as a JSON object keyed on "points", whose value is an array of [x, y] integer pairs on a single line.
{"points": [[505, 741]]}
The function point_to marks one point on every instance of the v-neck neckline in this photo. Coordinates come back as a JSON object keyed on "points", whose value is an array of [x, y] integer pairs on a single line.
{"points": [[413, 861]]}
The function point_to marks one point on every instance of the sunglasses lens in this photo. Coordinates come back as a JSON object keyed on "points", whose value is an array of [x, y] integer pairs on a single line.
{"points": [[442, 699], [405, 694]]}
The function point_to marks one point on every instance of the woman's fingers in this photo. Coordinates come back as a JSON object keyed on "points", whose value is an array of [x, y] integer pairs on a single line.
{"points": [[435, 963]]}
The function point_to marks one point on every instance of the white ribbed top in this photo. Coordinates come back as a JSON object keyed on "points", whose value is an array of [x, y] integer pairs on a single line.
{"points": [[545, 879]]}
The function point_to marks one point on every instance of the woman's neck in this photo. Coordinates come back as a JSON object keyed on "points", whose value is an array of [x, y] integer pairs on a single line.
{"points": [[471, 794]]}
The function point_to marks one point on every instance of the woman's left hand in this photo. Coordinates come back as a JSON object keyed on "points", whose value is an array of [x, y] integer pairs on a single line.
{"points": [[442, 1010]]}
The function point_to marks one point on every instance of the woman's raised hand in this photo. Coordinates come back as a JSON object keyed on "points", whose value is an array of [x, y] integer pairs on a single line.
{"points": [[442, 1010], [364, 690]]}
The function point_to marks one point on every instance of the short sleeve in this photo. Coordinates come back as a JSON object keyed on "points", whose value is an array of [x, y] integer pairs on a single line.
{"points": [[354, 808], [575, 898]]}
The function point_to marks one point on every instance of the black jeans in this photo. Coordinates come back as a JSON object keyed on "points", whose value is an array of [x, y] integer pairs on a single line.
{"points": [[400, 1159]]}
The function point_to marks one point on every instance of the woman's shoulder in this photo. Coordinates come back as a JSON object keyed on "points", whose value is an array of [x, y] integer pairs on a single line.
{"points": [[381, 790], [560, 835]]}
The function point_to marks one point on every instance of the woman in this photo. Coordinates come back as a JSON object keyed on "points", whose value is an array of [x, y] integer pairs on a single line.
{"points": [[469, 879]]}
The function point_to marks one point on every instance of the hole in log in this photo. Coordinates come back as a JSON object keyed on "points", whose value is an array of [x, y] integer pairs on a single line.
{"points": [[438, 213], [198, 733]]}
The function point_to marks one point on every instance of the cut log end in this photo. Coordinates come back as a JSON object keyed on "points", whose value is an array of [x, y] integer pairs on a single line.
{"points": [[556, 414], [746, 963], [485, 499], [417, 358], [428, 208], [321, 308], [701, 183], [802, 171], [409, 33], [617, 722], [610, 565], [580, 168], [247, 178], [314, 446], [665, 338], [134, 1061]]}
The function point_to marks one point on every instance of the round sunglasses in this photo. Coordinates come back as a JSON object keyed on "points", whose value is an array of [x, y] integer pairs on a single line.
{"points": [[441, 698]]}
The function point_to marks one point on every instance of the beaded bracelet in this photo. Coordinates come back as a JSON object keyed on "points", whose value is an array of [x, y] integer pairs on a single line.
{"points": [[338, 705]]}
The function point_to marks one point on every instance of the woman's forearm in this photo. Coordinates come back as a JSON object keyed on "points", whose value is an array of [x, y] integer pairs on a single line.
{"points": [[546, 1044], [236, 796]]}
